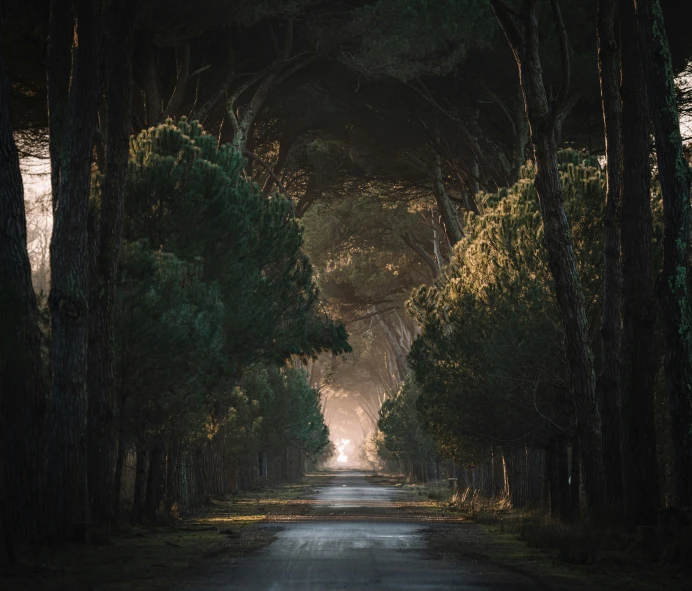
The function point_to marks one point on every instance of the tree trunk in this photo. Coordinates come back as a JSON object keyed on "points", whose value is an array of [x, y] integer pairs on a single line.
{"points": [[71, 167], [553, 478], [118, 477], [640, 479], [521, 133], [155, 480], [102, 431], [523, 37], [22, 392], [152, 88], [138, 501], [609, 383], [673, 283], [575, 484], [563, 480], [398, 352], [173, 465]]}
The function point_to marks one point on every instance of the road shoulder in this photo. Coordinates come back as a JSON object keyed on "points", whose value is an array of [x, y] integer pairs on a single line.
{"points": [[156, 556]]}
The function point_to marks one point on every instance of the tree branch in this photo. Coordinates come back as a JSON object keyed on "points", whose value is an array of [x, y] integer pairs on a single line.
{"points": [[510, 22], [420, 251], [180, 84], [268, 167]]}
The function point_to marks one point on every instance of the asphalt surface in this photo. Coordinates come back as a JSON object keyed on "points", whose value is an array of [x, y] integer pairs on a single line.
{"points": [[355, 538]]}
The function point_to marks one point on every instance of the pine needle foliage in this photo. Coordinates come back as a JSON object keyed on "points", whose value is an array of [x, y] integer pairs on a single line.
{"points": [[490, 360]]}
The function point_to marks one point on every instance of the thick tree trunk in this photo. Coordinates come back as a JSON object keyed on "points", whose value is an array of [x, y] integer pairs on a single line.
{"points": [[673, 283], [641, 491], [609, 383], [523, 36], [71, 165], [102, 431], [22, 395]]}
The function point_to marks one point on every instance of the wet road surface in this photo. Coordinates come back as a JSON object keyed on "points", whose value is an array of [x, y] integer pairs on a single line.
{"points": [[356, 538]]}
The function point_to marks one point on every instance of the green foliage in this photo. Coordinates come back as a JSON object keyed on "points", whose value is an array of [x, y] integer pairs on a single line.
{"points": [[407, 39], [490, 361], [289, 413], [214, 281], [400, 427], [186, 196], [170, 345], [357, 245]]}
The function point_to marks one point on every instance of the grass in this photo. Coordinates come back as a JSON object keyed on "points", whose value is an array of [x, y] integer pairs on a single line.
{"points": [[563, 555], [152, 557]]}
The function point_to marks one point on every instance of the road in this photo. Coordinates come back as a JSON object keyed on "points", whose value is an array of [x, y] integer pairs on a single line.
{"points": [[355, 537]]}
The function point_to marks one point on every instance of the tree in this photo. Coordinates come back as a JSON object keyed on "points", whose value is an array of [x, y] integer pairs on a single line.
{"points": [[22, 393], [74, 83], [402, 431], [640, 481], [673, 282], [105, 242], [489, 359], [610, 382], [186, 195], [522, 32]]}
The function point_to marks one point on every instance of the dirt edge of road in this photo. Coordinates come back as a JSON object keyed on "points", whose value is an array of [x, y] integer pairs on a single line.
{"points": [[467, 534], [152, 557]]}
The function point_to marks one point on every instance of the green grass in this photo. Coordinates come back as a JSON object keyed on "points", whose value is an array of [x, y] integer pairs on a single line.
{"points": [[567, 554], [152, 557]]}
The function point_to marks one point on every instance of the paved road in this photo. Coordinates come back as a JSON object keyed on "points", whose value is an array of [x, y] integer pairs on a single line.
{"points": [[356, 539]]}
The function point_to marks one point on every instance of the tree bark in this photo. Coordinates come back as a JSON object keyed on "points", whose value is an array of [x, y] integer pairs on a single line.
{"points": [[105, 256], [118, 477], [141, 472], [22, 393], [609, 384], [553, 474], [673, 283], [563, 480], [155, 480], [152, 87], [575, 484], [522, 33], [521, 134], [71, 166], [640, 478]]}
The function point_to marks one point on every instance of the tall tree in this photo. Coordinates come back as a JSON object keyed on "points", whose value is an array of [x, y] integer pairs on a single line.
{"points": [[673, 284], [639, 302], [22, 396], [522, 32], [104, 256], [73, 95], [611, 323]]}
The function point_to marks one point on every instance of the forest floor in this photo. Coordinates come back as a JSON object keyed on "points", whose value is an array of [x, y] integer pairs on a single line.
{"points": [[152, 557], [558, 556]]}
